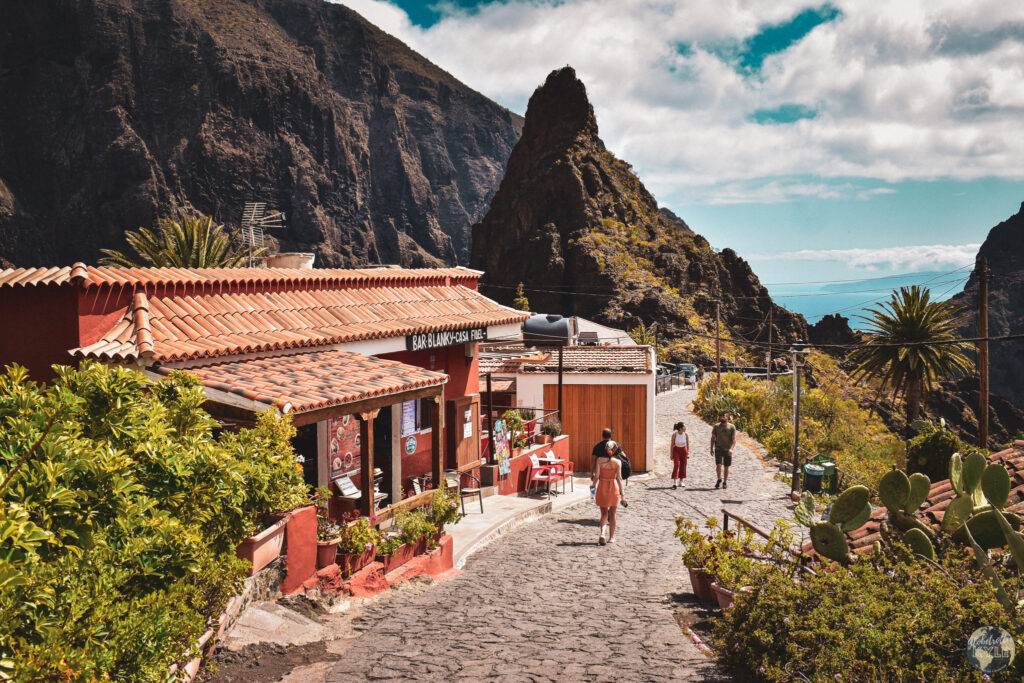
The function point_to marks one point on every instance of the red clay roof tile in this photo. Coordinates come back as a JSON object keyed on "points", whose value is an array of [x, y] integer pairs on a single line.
{"points": [[183, 327], [313, 379]]}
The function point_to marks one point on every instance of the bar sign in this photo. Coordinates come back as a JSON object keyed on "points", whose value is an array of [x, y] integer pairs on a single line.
{"points": [[434, 340]]}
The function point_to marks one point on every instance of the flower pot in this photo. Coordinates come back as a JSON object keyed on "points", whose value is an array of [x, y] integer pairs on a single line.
{"points": [[403, 554], [326, 553], [350, 563], [723, 596], [701, 583], [545, 438], [264, 547]]}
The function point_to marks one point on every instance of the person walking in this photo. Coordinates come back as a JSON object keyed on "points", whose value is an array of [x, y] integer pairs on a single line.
{"points": [[723, 440], [699, 374], [607, 480], [680, 453], [599, 450]]}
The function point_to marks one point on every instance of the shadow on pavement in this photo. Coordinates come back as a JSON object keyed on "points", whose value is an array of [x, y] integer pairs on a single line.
{"points": [[593, 521]]}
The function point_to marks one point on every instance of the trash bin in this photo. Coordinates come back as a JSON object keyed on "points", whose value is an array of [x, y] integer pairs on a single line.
{"points": [[828, 481], [812, 477]]}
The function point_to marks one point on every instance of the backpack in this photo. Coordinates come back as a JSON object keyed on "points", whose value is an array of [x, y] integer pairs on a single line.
{"points": [[627, 468]]}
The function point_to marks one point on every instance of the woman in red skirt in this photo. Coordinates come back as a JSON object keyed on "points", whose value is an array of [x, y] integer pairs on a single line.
{"points": [[680, 451]]}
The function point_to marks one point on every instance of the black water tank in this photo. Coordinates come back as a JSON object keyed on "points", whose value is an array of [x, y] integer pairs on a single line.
{"points": [[547, 330]]}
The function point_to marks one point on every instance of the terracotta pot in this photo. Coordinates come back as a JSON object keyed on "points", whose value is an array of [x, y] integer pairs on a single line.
{"points": [[326, 553], [726, 597], [545, 438], [350, 563], [701, 583], [264, 547], [403, 554]]}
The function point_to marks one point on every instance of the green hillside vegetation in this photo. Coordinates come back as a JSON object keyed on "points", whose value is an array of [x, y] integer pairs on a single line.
{"points": [[832, 419]]}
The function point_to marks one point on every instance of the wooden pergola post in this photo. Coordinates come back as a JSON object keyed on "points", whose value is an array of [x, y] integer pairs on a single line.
{"points": [[366, 502], [436, 440]]}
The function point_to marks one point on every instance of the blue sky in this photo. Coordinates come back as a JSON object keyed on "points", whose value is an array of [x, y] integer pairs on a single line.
{"points": [[820, 140]]}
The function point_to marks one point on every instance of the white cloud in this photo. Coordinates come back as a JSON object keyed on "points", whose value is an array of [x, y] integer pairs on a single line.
{"points": [[919, 257], [916, 89]]}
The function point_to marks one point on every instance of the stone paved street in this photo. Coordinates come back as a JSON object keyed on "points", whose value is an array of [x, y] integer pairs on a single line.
{"points": [[548, 603]]}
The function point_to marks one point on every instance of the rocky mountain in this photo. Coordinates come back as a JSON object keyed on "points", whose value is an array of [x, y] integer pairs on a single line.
{"points": [[577, 227], [117, 112], [832, 329], [1004, 250]]}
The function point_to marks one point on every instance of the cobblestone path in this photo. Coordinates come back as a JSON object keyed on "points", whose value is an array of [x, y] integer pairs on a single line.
{"points": [[548, 603]]}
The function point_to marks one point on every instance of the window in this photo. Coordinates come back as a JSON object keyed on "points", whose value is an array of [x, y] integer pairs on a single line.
{"points": [[415, 416]]}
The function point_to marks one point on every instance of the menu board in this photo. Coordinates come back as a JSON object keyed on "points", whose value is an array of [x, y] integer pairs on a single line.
{"points": [[499, 444], [344, 447], [408, 417]]}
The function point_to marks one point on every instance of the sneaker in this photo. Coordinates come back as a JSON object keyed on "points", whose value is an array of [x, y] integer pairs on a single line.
{"points": [[674, 487], [682, 484], [601, 541], [718, 484], [725, 484], [611, 540]]}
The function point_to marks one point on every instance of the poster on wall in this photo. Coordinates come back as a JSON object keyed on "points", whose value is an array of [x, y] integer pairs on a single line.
{"points": [[408, 417], [344, 448], [500, 446]]}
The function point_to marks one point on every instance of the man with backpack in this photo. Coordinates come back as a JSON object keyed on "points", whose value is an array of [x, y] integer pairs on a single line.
{"points": [[600, 452]]}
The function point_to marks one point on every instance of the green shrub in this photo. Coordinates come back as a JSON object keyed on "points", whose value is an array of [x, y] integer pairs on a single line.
{"points": [[121, 519], [930, 450], [887, 617]]}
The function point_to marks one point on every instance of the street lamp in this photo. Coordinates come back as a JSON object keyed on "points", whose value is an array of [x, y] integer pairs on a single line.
{"points": [[799, 350]]}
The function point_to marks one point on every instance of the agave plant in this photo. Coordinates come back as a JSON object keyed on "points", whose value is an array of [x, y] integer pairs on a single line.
{"points": [[188, 243], [902, 351]]}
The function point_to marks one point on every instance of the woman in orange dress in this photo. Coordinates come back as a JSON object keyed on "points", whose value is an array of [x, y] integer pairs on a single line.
{"points": [[607, 478]]}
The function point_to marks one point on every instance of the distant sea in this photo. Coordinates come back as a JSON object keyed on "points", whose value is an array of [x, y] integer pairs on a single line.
{"points": [[851, 299]]}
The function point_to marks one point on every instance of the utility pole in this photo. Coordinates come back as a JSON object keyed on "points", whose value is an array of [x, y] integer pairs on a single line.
{"points": [[718, 340], [982, 268], [768, 368], [561, 368], [490, 422], [654, 326], [797, 350]]}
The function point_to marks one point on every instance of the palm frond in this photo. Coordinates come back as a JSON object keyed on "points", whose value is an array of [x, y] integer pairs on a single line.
{"points": [[191, 242]]}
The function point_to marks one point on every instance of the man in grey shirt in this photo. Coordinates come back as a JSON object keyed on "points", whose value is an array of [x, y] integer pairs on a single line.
{"points": [[723, 440]]}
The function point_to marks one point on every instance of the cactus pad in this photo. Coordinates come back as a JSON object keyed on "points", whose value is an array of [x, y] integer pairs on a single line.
{"points": [[905, 522], [858, 520], [995, 482], [957, 512], [804, 511], [956, 473], [974, 467], [849, 504], [919, 543], [920, 487], [986, 530], [829, 541], [893, 489]]}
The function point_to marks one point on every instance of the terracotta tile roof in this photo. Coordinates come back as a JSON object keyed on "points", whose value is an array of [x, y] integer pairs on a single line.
{"points": [[502, 385], [91, 276], [185, 327], [306, 381], [575, 359], [941, 495]]}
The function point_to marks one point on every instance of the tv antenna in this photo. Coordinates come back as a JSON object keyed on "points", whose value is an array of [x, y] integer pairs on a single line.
{"points": [[255, 220]]}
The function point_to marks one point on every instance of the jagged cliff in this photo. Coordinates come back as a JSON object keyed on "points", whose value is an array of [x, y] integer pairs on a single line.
{"points": [[1004, 250], [574, 224], [116, 112]]}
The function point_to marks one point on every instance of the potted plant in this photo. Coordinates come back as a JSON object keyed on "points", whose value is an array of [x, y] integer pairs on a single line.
{"points": [[514, 424], [264, 547], [697, 550], [392, 551], [529, 419], [549, 429], [328, 534], [358, 544], [443, 510]]}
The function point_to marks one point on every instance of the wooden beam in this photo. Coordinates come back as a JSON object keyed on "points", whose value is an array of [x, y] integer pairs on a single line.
{"points": [[299, 419], [366, 462], [436, 440]]}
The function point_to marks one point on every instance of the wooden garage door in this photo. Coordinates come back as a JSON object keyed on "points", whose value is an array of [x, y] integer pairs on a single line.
{"points": [[590, 408]]}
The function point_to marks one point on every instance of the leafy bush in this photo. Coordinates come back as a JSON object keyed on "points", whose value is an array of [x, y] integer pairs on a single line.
{"points": [[930, 450], [414, 525], [514, 425], [889, 617], [120, 519], [444, 508]]}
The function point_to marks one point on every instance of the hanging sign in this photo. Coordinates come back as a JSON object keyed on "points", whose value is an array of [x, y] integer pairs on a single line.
{"points": [[434, 340], [344, 449]]}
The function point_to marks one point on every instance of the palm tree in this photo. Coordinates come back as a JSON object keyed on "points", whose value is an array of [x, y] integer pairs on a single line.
{"points": [[902, 351], [190, 243]]}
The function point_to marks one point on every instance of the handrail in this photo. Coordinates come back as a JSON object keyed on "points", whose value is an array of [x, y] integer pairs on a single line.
{"points": [[726, 514]]}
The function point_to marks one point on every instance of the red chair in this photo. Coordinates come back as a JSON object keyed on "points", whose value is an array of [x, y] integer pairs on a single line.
{"points": [[565, 466], [539, 473]]}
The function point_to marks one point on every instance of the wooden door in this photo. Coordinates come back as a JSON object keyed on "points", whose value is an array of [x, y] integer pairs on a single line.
{"points": [[589, 408], [463, 425]]}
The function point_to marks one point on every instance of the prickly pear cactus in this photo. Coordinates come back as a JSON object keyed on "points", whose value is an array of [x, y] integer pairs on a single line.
{"points": [[804, 511], [919, 542], [920, 487], [956, 473], [995, 484], [830, 542], [850, 504], [894, 489]]}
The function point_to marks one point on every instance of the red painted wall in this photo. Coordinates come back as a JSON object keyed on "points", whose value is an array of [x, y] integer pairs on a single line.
{"points": [[515, 481], [417, 464], [38, 325], [300, 555]]}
